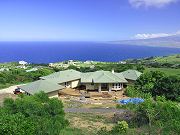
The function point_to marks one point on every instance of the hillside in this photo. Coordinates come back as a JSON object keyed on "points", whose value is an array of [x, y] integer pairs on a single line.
{"points": [[172, 59], [169, 41]]}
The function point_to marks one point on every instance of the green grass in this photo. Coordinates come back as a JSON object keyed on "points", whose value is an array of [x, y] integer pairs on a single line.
{"points": [[72, 131], [90, 117], [168, 71], [172, 59]]}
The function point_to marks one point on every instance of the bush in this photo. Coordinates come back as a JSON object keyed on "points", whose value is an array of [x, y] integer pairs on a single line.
{"points": [[121, 127], [162, 113], [32, 115], [156, 83], [131, 91]]}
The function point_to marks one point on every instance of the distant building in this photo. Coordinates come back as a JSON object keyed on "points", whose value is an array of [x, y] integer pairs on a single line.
{"points": [[51, 64], [23, 63], [72, 62], [4, 69], [88, 62], [92, 66], [32, 70], [122, 62], [21, 66]]}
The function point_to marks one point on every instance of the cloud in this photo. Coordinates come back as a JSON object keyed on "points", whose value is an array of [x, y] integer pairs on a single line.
{"points": [[151, 3], [148, 36]]}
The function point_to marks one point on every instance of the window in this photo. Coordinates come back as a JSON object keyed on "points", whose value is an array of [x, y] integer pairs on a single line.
{"points": [[66, 84], [117, 85]]}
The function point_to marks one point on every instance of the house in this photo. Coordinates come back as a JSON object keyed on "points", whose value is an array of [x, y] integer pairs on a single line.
{"points": [[95, 81], [131, 75], [68, 78], [102, 81], [49, 87]]}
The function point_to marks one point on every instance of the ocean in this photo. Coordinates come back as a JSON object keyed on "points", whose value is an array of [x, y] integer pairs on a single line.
{"points": [[47, 52]]}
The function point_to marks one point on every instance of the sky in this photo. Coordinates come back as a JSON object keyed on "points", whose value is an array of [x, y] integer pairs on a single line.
{"points": [[87, 20]]}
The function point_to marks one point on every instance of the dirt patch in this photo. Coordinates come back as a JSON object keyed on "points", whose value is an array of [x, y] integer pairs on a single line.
{"points": [[70, 92], [10, 89], [91, 126], [6, 95]]}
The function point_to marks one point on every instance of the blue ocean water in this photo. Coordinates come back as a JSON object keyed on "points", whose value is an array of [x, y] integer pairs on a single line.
{"points": [[46, 52]]}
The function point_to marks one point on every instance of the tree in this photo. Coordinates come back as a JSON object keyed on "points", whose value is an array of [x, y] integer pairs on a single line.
{"points": [[159, 84], [32, 115]]}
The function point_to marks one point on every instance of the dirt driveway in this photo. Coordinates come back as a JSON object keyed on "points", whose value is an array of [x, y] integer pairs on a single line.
{"points": [[8, 90], [88, 110]]}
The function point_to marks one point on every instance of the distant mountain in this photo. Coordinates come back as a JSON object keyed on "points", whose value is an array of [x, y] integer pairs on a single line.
{"points": [[169, 41]]}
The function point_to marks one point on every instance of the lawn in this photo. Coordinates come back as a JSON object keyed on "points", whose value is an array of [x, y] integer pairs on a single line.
{"points": [[172, 59], [168, 71]]}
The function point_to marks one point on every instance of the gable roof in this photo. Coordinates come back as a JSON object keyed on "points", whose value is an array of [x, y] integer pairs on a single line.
{"points": [[131, 74], [63, 76], [40, 85], [102, 77]]}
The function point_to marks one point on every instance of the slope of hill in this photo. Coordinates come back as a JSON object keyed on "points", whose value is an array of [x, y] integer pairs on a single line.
{"points": [[172, 59], [169, 41]]}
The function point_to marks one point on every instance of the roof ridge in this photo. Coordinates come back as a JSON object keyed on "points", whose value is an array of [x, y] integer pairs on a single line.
{"points": [[104, 73], [110, 77], [124, 79]]}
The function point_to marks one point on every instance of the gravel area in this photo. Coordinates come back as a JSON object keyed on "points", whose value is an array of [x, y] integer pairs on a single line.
{"points": [[10, 89], [98, 110]]}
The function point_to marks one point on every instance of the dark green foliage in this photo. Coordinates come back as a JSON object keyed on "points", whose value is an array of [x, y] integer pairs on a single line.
{"points": [[131, 91], [161, 113], [115, 66], [72, 131], [32, 115], [169, 87], [158, 84], [108, 67], [17, 76], [140, 68]]}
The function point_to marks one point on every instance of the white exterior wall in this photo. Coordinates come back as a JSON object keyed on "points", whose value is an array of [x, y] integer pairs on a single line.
{"points": [[71, 84], [110, 87], [99, 88], [53, 94], [75, 83]]}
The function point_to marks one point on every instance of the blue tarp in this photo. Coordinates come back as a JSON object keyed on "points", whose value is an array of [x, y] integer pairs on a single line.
{"points": [[131, 100]]}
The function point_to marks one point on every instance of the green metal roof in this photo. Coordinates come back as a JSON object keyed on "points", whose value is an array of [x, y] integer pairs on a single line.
{"points": [[63, 76], [131, 74], [102, 77], [40, 85]]}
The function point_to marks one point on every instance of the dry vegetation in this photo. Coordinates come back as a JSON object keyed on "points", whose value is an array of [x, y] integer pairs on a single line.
{"points": [[90, 123]]}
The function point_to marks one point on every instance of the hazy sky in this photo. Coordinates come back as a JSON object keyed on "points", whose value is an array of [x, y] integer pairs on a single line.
{"points": [[86, 20]]}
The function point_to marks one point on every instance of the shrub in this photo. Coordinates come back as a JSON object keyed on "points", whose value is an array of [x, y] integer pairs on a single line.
{"points": [[131, 91], [32, 115], [121, 127], [156, 84]]}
